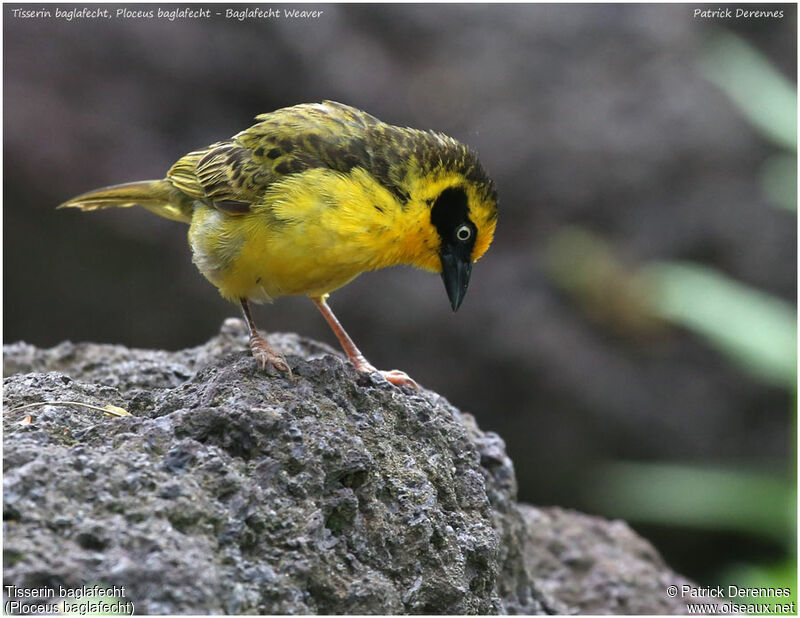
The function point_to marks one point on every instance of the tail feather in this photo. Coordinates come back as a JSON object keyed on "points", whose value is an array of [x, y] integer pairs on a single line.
{"points": [[157, 196]]}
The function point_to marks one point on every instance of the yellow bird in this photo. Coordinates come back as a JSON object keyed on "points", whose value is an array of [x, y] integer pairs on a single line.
{"points": [[313, 195]]}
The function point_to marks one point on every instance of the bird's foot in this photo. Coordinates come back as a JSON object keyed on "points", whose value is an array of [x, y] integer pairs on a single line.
{"points": [[399, 378], [395, 376], [264, 355]]}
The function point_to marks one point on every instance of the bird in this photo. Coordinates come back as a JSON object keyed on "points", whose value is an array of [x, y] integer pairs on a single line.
{"points": [[313, 195]]}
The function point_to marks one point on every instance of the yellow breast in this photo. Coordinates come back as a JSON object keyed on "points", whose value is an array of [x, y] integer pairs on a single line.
{"points": [[311, 234]]}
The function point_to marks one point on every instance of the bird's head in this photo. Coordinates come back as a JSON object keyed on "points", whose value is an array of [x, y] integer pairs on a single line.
{"points": [[465, 229], [454, 202]]}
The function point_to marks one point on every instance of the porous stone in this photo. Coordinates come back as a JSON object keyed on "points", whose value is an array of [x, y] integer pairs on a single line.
{"points": [[235, 490]]}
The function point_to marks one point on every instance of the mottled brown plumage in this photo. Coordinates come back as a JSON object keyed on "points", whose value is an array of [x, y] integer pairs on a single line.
{"points": [[328, 135]]}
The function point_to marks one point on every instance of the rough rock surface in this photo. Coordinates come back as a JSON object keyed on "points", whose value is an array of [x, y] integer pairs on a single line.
{"points": [[232, 490], [596, 566]]}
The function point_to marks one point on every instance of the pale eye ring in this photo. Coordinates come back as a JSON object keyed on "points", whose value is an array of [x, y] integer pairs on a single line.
{"points": [[463, 233]]}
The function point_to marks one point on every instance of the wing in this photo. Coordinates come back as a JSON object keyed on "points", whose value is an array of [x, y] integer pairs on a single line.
{"points": [[236, 173]]}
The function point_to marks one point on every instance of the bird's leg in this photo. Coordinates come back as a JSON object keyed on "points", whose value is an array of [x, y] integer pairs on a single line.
{"points": [[261, 350], [400, 378]]}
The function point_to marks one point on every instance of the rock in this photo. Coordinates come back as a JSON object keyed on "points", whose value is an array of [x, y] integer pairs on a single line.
{"points": [[596, 115], [232, 490], [595, 566]]}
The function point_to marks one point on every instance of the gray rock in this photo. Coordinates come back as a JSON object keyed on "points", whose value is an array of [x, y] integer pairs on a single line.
{"points": [[595, 566], [232, 490]]}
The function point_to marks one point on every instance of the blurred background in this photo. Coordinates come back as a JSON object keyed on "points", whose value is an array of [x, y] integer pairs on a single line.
{"points": [[632, 332]]}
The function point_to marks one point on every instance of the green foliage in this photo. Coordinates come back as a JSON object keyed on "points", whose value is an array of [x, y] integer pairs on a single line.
{"points": [[743, 501], [754, 329], [780, 575], [779, 180], [754, 85], [767, 99], [747, 502]]}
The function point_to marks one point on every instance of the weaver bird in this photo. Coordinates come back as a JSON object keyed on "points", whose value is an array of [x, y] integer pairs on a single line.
{"points": [[313, 195]]}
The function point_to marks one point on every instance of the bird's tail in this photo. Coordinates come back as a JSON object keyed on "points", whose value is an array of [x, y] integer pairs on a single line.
{"points": [[157, 196]]}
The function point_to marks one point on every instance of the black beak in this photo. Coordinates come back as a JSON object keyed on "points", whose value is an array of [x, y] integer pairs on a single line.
{"points": [[455, 274]]}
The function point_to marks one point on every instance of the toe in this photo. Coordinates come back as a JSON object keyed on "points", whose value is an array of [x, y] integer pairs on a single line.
{"points": [[261, 359], [395, 376], [266, 357], [280, 364], [400, 378]]}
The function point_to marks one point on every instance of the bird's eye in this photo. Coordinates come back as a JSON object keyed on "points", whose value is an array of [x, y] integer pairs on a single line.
{"points": [[463, 233]]}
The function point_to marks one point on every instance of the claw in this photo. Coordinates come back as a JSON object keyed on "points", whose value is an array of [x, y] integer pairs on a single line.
{"points": [[260, 348], [395, 376], [399, 378], [264, 355]]}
